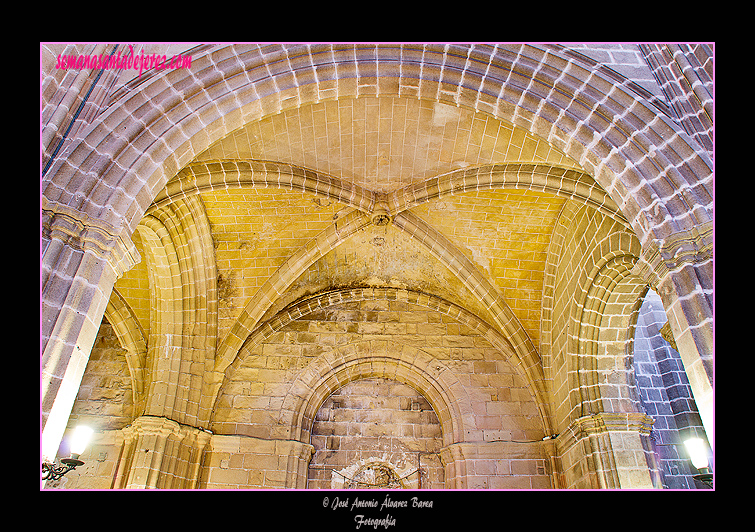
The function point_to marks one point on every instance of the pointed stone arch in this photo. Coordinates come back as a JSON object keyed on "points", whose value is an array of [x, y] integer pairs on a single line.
{"points": [[129, 153], [565, 182]]}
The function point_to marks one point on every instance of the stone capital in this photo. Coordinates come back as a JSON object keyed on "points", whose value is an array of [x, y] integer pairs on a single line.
{"points": [[663, 256], [603, 423], [82, 232]]}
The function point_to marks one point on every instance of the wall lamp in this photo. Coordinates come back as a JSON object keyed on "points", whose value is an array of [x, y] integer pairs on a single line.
{"points": [[79, 441], [698, 454]]}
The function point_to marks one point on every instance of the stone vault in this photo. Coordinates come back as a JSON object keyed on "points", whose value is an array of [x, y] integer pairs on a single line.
{"points": [[309, 265]]}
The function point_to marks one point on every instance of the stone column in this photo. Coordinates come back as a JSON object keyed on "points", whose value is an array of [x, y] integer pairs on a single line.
{"points": [[81, 260]]}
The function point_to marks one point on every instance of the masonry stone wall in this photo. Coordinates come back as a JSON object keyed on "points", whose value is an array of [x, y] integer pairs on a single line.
{"points": [[505, 408], [105, 400], [376, 419]]}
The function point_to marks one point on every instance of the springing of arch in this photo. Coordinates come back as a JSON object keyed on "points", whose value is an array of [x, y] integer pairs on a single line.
{"points": [[616, 345], [178, 245], [592, 311], [165, 308]]}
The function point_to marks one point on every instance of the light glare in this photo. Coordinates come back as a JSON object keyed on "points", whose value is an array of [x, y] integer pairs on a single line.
{"points": [[698, 452], [80, 439]]}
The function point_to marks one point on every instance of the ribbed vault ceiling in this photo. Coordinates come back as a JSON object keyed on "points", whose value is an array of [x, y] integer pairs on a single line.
{"points": [[382, 144]]}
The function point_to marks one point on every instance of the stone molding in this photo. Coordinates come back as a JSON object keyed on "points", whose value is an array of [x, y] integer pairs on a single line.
{"points": [[660, 257], [82, 232], [603, 423], [491, 450], [239, 443]]}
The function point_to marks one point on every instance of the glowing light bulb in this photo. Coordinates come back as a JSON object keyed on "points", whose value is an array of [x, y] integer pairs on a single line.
{"points": [[80, 439], [698, 452]]}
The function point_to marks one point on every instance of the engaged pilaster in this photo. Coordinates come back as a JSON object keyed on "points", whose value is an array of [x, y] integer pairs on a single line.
{"points": [[81, 259]]}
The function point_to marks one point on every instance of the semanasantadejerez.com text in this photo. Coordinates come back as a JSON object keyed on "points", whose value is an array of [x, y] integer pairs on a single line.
{"points": [[138, 61]]}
